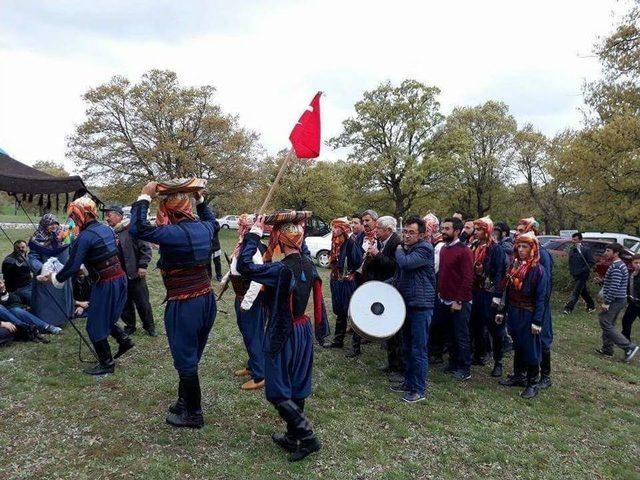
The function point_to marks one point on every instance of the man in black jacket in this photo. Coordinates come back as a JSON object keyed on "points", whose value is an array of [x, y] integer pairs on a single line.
{"points": [[135, 256], [17, 273], [380, 264], [580, 264]]}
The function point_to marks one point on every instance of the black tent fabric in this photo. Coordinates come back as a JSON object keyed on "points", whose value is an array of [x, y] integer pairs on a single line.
{"points": [[21, 180]]}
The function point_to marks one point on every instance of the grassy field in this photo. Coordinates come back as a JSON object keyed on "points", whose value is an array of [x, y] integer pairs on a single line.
{"points": [[56, 422]]}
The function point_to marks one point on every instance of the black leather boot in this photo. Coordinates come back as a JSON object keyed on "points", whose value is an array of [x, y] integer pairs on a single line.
{"points": [[531, 390], [518, 378], [286, 441], [497, 370], [106, 363], [191, 416], [124, 341], [355, 351], [178, 407], [545, 370], [301, 430]]}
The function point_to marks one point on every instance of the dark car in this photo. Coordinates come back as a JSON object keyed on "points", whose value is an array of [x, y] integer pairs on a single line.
{"points": [[560, 247], [316, 227]]}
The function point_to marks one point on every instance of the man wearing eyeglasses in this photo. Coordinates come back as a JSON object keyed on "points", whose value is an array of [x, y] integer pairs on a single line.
{"points": [[416, 282]]}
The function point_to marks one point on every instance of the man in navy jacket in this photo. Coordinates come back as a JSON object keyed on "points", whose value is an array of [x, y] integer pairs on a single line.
{"points": [[416, 282]]}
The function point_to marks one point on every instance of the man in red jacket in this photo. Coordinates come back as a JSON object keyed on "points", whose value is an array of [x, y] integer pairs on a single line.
{"points": [[455, 280]]}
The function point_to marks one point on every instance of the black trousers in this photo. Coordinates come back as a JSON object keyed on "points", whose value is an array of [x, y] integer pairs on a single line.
{"points": [[395, 353], [138, 299], [631, 313], [341, 331], [217, 263], [580, 289]]}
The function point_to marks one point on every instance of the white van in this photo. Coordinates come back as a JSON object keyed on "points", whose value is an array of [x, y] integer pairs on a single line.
{"points": [[627, 241]]}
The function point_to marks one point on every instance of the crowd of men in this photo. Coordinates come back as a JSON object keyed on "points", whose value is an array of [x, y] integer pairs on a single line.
{"points": [[473, 293]]}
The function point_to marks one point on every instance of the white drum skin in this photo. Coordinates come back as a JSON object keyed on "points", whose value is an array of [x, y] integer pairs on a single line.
{"points": [[376, 310]]}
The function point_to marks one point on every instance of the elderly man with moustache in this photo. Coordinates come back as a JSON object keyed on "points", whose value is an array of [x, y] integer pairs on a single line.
{"points": [[135, 256]]}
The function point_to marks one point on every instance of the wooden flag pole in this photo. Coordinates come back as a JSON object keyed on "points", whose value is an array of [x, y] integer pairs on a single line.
{"points": [[275, 183]]}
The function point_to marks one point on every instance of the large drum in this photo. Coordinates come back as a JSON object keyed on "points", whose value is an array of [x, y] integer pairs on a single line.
{"points": [[376, 310]]}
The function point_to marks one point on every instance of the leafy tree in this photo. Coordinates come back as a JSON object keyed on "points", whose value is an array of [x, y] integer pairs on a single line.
{"points": [[479, 141], [536, 159], [157, 129], [391, 138], [603, 160], [52, 168], [317, 186]]}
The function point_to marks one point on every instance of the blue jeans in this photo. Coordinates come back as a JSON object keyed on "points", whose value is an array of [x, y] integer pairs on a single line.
{"points": [[415, 336], [25, 294], [22, 318]]}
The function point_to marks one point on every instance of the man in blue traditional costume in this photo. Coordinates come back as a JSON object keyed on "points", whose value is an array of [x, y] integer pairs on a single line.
{"points": [[185, 252], [489, 265], [526, 225], [288, 344], [95, 247], [345, 258], [250, 312], [526, 304]]}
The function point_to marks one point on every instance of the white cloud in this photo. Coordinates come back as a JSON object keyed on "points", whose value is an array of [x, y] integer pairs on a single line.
{"points": [[268, 65]]}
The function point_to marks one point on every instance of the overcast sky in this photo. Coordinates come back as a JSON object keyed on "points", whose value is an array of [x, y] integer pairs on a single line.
{"points": [[268, 58]]}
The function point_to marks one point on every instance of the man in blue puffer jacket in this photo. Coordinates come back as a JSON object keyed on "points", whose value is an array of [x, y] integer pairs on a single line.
{"points": [[416, 281]]}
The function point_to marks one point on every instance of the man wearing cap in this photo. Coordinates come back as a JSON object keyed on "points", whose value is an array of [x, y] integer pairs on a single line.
{"points": [[135, 256]]}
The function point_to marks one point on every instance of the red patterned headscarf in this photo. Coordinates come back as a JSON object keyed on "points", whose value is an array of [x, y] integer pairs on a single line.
{"points": [[340, 231], [481, 250], [520, 268], [288, 231], [173, 208], [245, 222], [285, 235], [82, 211], [530, 225]]}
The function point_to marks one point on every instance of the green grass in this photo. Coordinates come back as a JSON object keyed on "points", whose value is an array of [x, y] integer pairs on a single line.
{"points": [[58, 423], [7, 215], [19, 218]]}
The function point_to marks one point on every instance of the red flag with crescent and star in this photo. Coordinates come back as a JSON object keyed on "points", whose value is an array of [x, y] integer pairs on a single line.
{"points": [[305, 136]]}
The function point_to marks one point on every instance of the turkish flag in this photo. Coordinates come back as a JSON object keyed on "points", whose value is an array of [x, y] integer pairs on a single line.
{"points": [[305, 136]]}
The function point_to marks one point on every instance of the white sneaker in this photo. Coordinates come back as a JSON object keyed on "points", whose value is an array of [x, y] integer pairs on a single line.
{"points": [[631, 353]]}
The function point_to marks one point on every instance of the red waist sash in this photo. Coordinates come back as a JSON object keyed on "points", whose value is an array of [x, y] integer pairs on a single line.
{"points": [[184, 283], [518, 300], [109, 269], [301, 320]]}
